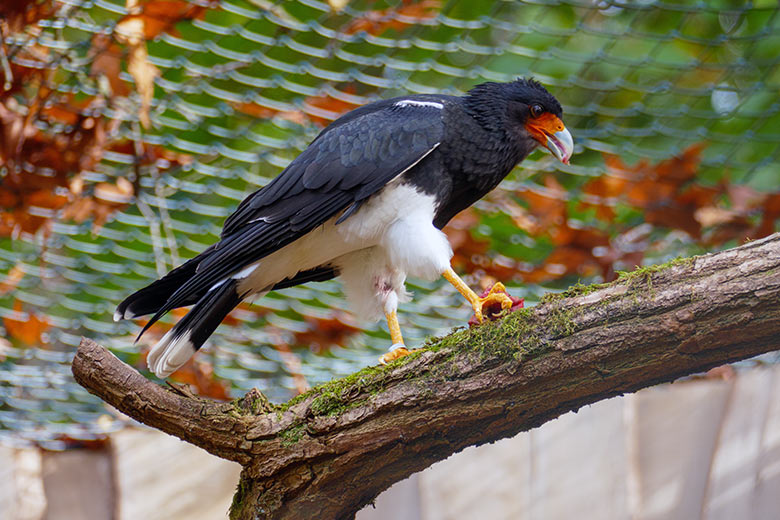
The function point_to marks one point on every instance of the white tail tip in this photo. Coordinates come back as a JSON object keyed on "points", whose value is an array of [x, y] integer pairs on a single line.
{"points": [[169, 354]]}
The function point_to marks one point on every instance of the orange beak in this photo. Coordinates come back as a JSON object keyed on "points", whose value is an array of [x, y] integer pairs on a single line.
{"points": [[549, 130]]}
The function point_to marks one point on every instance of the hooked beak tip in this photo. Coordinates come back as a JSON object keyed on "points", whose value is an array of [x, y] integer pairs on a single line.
{"points": [[561, 145]]}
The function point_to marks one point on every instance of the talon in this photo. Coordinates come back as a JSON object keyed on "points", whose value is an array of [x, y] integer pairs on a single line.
{"points": [[396, 352], [492, 304], [496, 296]]}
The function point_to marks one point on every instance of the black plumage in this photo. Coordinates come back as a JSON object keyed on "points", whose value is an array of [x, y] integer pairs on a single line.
{"points": [[452, 149]]}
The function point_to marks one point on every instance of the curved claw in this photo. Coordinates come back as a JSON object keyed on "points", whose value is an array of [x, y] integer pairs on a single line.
{"points": [[497, 295]]}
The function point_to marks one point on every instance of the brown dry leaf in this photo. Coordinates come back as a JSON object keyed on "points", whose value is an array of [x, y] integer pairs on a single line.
{"points": [[200, 375], [106, 58], [130, 31], [713, 216], [661, 190], [771, 213], [261, 112], [17, 14], [396, 18], [158, 16], [28, 331], [322, 333], [564, 261], [107, 198], [322, 110], [547, 205], [79, 210], [144, 22], [162, 158]]}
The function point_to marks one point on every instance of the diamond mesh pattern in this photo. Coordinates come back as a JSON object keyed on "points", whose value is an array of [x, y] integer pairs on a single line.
{"points": [[243, 86]]}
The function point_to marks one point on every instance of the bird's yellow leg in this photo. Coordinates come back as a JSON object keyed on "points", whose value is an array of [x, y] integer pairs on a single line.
{"points": [[497, 294], [398, 349]]}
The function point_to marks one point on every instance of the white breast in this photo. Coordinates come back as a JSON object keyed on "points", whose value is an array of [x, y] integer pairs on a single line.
{"points": [[389, 237]]}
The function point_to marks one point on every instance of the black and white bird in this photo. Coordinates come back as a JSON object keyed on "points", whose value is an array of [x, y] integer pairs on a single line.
{"points": [[366, 201]]}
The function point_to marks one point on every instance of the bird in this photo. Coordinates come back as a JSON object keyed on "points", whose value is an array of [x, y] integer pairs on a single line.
{"points": [[366, 201]]}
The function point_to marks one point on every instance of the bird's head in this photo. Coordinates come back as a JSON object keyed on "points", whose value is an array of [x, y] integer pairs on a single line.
{"points": [[525, 110]]}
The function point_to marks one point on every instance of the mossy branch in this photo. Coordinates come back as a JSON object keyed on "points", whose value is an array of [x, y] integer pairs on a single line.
{"points": [[331, 451]]}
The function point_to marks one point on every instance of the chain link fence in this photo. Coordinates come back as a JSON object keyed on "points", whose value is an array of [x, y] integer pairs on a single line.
{"points": [[131, 129]]}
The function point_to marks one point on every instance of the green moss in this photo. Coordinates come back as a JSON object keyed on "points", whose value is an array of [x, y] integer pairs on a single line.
{"points": [[253, 403], [646, 272], [578, 289], [292, 435], [238, 498], [639, 276], [518, 335], [336, 396]]}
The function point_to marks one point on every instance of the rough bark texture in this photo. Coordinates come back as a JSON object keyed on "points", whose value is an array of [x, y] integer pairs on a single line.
{"points": [[329, 452]]}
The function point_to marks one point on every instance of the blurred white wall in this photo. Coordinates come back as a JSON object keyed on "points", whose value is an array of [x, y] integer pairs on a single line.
{"points": [[705, 449]]}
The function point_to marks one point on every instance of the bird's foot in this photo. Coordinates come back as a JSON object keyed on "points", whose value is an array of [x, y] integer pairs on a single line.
{"points": [[493, 303], [397, 351]]}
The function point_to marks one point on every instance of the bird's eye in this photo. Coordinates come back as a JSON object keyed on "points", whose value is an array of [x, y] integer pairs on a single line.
{"points": [[536, 110]]}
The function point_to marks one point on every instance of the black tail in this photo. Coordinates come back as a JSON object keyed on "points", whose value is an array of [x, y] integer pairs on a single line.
{"points": [[149, 299], [187, 336]]}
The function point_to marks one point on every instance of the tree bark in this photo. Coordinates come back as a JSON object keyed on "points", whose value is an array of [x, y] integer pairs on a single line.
{"points": [[330, 452]]}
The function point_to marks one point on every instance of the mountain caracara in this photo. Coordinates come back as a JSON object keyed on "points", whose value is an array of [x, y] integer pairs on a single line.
{"points": [[366, 201]]}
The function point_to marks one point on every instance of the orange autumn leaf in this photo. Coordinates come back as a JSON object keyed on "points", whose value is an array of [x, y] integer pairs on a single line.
{"points": [[770, 214], [395, 18], [18, 14], [322, 333], [11, 280], [106, 61], [26, 327], [263, 112], [158, 16], [322, 110], [201, 376]]}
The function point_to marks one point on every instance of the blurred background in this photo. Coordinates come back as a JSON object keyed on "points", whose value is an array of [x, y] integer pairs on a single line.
{"points": [[130, 128]]}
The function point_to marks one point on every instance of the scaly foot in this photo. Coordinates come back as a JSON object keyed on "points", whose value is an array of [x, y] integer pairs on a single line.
{"points": [[396, 352]]}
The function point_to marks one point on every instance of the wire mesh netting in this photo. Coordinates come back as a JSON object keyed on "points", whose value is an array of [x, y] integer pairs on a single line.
{"points": [[131, 129]]}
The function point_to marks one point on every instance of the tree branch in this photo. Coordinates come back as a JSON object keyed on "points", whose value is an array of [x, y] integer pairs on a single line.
{"points": [[328, 453]]}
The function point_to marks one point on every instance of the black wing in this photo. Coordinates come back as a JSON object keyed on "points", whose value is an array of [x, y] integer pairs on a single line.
{"points": [[348, 162], [357, 154]]}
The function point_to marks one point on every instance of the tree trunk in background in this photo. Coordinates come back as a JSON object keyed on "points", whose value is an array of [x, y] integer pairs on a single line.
{"points": [[333, 450]]}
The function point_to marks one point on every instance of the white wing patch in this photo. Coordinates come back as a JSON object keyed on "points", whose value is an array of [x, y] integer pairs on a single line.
{"points": [[415, 103]]}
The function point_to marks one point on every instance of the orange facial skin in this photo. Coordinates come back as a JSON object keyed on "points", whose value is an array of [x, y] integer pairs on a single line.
{"points": [[545, 125]]}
